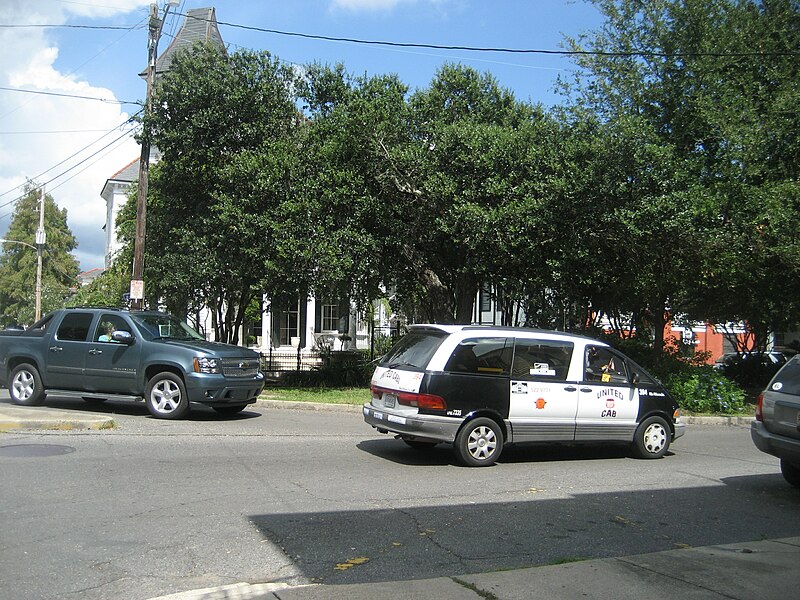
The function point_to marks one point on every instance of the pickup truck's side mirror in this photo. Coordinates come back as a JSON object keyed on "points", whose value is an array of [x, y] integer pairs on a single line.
{"points": [[123, 337]]}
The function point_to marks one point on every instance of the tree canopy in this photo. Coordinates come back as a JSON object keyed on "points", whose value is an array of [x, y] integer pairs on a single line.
{"points": [[665, 187], [18, 261]]}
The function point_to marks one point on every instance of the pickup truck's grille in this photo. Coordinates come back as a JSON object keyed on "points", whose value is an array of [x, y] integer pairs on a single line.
{"points": [[240, 367]]}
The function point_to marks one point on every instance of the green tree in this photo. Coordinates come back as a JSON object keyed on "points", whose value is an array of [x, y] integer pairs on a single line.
{"points": [[700, 89], [18, 262], [225, 125]]}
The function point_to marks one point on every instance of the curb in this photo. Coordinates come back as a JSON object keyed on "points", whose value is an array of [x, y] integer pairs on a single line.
{"points": [[54, 423], [319, 406], [729, 421]]}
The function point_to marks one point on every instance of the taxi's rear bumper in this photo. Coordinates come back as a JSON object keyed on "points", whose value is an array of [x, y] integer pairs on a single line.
{"points": [[427, 427]]}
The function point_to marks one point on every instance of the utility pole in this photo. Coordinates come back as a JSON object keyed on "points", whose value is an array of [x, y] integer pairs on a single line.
{"points": [[41, 238], [154, 33]]}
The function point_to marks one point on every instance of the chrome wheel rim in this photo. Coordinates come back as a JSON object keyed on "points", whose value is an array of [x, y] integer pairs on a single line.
{"points": [[23, 385], [166, 396], [482, 442], [655, 438]]}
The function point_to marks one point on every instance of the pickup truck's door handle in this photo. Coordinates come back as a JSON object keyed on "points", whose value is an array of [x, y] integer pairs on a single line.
{"points": [[55, 349], [95, 351]]}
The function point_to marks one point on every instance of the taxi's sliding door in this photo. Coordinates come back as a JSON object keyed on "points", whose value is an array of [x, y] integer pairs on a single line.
{"points": [[543, 405]]}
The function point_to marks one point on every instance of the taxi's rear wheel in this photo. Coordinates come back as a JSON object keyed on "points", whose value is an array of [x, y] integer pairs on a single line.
{"points": [[479, 443], [652, 438]]}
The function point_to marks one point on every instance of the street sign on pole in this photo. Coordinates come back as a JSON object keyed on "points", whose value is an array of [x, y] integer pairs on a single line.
{"points": [[137, 290]]}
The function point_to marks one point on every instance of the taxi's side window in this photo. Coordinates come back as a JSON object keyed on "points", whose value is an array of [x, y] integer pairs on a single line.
{"points": [[603, 365], [481, 356], [541, 359]]}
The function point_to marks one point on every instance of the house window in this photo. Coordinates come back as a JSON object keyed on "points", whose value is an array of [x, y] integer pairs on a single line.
{"points": [[486, 299], [289, 325], [330, 317]]}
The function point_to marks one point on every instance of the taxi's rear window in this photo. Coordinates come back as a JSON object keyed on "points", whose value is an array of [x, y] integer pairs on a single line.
{"points": [[414, 349], [788, 377]]}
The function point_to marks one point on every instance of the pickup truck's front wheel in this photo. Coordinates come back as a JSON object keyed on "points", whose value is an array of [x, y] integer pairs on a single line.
{"points": [[166, 396], [25, 385]]}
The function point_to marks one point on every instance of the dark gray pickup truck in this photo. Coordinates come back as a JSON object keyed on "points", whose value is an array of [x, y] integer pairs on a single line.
{"points": [[100, 353]]}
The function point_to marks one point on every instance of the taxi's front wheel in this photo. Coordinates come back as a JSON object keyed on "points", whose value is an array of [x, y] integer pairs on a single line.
{"points": [[479, 443], [652, 438]]}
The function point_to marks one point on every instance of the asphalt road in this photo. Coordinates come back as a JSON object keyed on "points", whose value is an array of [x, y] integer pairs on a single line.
{"points": [[156, 507]]}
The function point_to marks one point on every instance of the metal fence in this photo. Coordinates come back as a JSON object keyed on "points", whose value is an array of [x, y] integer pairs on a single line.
{"points": [[274, 361]]}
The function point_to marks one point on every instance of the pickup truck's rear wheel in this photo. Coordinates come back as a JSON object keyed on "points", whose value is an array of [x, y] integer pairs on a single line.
{"points": [[25, 385], [165, 396]]}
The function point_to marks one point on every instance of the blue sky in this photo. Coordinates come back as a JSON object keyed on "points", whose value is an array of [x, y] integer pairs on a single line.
{"points": [[106, 63]]}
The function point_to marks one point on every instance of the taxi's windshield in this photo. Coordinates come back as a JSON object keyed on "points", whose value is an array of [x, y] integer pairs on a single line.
{"points": [[165, 327]]}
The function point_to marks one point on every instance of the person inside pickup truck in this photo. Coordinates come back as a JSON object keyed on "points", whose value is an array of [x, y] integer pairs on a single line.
{"points": [[109, 330]]}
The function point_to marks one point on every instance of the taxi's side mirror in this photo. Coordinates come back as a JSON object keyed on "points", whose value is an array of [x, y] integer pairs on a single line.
{"points": [[634, 378]]}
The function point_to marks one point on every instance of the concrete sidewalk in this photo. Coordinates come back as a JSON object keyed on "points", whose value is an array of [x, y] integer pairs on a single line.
{"points": [[21, 418], [763, 570]]}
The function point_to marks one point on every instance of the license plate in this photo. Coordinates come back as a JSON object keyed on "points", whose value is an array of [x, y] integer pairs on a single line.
{"points": [[389, 400]]}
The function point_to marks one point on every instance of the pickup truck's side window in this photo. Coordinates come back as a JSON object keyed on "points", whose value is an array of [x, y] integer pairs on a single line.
{"points": [[107, 325], [74, 327]]}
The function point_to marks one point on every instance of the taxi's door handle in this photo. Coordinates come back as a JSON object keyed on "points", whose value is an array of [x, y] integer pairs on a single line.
{"points": [[586, 390], [570, 388]]}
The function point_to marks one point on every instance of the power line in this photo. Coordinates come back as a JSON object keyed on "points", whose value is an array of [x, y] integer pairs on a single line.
{"points": [[328, 38], [59, 94], [51, 131], [76, 165], [65, 26], [115, 140], [634, 53], [74, 154]]}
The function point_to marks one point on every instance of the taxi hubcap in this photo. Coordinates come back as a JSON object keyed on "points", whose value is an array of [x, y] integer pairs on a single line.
{"points": [[654, 438], [482, 442]]}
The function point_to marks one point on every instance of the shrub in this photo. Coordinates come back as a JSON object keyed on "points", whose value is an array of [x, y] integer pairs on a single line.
{"points": [[348, 368], [703, 390]]}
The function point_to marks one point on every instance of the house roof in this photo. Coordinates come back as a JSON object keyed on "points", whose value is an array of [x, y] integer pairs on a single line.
{"points": [[200, 25], [129, 173]]}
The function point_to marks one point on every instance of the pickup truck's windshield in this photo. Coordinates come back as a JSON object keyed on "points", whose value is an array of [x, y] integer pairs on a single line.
{"points": [[165, 327]]}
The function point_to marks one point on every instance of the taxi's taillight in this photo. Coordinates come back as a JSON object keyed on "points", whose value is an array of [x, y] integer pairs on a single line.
{"points": [[427, 401], [759, 407]]}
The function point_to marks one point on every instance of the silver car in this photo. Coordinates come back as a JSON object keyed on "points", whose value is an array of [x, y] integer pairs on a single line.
{"points": [[776, 429]]}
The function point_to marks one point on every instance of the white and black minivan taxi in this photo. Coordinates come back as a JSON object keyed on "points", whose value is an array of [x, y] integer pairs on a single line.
{"points": [[481, 387]]}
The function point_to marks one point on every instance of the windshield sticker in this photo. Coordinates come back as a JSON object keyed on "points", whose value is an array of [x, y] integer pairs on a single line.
{"points": [[542, 369], [395, 379], [777, 386]]}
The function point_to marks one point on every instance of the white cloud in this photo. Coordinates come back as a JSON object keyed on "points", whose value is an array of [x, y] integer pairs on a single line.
{"points": [[30, 63]]}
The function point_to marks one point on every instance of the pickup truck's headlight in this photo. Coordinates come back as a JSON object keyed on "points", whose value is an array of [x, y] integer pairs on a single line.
{"points": [[206, 365]]}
